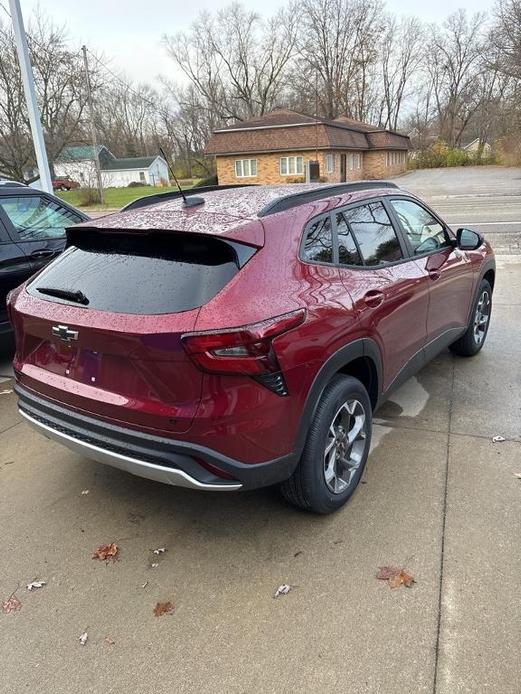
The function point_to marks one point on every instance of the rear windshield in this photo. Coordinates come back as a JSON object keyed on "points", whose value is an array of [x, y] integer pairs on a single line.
{"points": [[140, 273]]}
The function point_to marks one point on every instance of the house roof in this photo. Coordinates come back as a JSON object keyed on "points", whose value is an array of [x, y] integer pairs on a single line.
{"points": [[284, 130], [79, 152], [108, 162]]}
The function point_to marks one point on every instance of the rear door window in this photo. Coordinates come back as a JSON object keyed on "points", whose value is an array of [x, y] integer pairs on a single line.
{"points": [[374, 233], [348, 253], [140, 273], [318, 242], [35, 217]]}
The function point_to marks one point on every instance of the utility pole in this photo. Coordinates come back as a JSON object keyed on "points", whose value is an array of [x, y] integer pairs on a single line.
{"points": [[30, 95], [92, 125]]}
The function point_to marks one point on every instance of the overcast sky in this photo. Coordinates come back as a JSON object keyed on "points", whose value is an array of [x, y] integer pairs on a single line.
{"points": [[129, 31]]}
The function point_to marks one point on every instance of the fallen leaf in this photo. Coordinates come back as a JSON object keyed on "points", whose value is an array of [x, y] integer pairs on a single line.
{"points": [[36, 584], [518, 475], [282, 590], [109, 640], [154, 565], [163, 608], [83, 638], [106, 552], [386, 572], [12, 604], [85, 492], [145, 584], [402, 578], [159, 550], [395, 577], [498, 439], [297, 554]]}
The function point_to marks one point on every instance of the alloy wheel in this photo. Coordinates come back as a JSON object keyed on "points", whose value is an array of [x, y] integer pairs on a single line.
{"points": [[481, 317], [345, 446]]}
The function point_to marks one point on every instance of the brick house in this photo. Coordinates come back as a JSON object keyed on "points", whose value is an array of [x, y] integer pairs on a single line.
{"points": [[284, 146]]}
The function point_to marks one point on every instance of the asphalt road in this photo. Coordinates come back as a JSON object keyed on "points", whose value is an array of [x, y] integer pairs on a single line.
{"points": [[439, 498], [487, 199]]}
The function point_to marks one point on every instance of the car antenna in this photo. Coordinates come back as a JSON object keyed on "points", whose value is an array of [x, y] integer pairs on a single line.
{"points": [[190, 201]]}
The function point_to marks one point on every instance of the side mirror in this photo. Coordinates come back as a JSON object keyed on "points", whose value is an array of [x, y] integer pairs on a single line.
{"points": [[468, 240]]}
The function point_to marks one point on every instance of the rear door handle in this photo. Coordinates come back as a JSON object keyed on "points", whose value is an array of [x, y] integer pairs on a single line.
{"points": [[374, 298], [42, 254]]}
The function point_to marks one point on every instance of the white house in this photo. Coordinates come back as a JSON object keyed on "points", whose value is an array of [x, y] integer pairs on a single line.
{"points": [[473, 146], [78, 164]]}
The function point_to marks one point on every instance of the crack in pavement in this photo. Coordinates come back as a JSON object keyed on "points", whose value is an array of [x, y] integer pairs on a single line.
{"points": [[443, 528]]}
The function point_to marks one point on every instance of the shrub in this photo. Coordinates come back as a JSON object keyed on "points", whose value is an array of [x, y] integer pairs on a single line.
{"points": [[440, 155], [208, 181], [295, 179], [138, 184], [89, 196]]}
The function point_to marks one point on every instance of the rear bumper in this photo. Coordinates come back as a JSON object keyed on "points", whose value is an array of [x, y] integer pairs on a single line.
{"points": [[154, 457]]}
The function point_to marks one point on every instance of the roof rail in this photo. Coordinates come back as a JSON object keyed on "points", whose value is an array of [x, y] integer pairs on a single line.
{"points": [[147, 200], [286, 202]]}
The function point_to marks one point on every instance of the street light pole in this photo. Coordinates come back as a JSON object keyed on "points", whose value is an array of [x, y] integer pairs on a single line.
{"points": [[30, 95], [92, 125]]}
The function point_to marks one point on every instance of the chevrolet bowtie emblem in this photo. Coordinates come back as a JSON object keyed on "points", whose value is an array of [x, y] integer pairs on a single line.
{"points": [[63, 333]]}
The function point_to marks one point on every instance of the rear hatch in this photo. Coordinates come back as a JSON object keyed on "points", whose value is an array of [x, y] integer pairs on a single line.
{"points": [[99, 329]]}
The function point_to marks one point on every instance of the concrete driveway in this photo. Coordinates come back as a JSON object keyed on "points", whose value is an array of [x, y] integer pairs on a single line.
{"points": [[439, 498]]}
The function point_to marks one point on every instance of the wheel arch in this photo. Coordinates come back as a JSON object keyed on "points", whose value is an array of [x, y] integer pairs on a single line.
{"points": [[360, 359]]}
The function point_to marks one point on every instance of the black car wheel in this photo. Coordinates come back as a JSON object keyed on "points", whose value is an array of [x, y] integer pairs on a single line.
{"points": [[336, 449]]}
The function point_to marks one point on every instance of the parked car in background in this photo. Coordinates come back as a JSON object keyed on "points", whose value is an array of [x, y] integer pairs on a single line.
{"points": [[64, 183], [244, 338], [32, 233]]}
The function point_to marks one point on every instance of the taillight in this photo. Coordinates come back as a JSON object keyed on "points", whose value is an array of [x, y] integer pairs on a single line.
{"points": [[246, 350]]}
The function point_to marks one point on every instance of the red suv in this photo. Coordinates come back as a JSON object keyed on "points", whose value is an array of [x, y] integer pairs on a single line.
{"points": [[245, 338]]}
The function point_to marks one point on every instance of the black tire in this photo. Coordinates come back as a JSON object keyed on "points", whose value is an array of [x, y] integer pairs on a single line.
{"points": [[307, 487], [469, 343]]}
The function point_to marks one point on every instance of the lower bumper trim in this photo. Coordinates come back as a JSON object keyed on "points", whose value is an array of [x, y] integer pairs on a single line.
{"points": [[141, 468]]}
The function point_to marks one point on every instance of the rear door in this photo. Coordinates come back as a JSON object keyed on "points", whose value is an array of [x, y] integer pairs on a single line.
{"points": [[449, 270], [37, 223], [389, 289], [15, 268]]}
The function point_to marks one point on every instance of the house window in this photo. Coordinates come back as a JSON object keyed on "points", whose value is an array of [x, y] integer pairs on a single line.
{"points": [[354, 161], [289, 166], [330, 163], [395, 158], [142, 176], [245, 168]]}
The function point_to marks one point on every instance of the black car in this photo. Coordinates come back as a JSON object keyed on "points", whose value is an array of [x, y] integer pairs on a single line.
{"points": [[32, 233]]}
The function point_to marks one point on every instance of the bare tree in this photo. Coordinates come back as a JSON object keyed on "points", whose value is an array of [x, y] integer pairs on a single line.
{"points": [[337, 49], [456, 60], [127, 118], [60, 87], [506, 36], [236, 61], [401, 58]]}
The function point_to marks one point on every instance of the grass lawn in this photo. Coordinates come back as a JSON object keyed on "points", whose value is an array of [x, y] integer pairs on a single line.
{"points": [[118, 197]]}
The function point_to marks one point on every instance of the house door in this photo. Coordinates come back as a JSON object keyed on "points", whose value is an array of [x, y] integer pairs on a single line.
{"points": [[342, 168]]}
